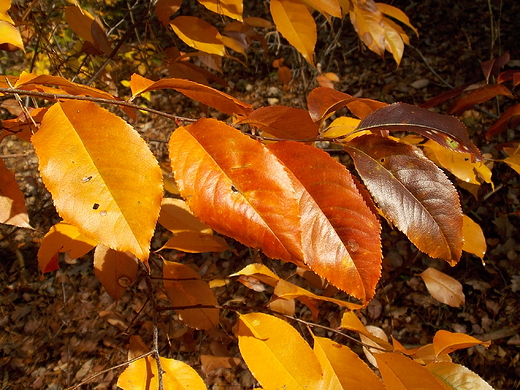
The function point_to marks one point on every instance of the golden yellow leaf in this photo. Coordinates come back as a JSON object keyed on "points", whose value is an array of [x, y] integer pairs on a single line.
{"points": [[457, 377], [196, 242], [350, 321], [443, 288], [142, 375], [177, 217], [447, 342], [199, 34], [397, 14], [341, 126], [103, 178], [9, 34], [294, 21], [393, 40], [368, 23], [115, 270], [276, 353], [4, 7], [474, 240], [231, 8]]}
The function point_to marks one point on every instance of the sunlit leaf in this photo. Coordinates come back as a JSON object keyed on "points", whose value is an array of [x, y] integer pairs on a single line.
{"points": [[447, 342], [350, 321], [397, 14], [231, 8], [393, 40], [184, 288], [443, 288], [142, 375], [368, 23], [216, 169], [196, 242], [368, 343], [474, 240], [202, 93], [283, 122], [342, 368], [104, 180], [199, 34], [89, 29], [296, 24], [340, 234], [10, 34], [62, 237], [477, 96], [341, 127], [401, 373], [457, 377], [5, 5], [412, 193], [166, 8], [446, 130], [260, 272], [276, 354], [12, 202], [115, 270]]}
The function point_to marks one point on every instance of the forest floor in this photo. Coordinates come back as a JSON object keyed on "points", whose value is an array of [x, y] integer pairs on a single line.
{"points": [[58, 329]]}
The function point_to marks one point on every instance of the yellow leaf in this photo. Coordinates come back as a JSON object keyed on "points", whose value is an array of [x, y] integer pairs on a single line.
{"points": [[393, 41], [195, 242], [276, 354], [4, 7], [447, 342], [350, 321], [142, 375], [443, 288], [457, 377], [397, 14], [326, 7], [342, 368], [296, 24], [474, 240], [231, 8], [198, 34], [9, 34], [368, 343], [103, 178], [115, 270], [260, 272], [12, 203], [514, 162], [80, 21], [368, 23], [177, 217], [341, 126], [62, 237], [184, 288]]}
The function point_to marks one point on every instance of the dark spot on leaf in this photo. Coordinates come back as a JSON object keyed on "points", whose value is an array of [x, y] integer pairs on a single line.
{"points": [[86, 178], [95, 206], [382, 160], [234, 189]]}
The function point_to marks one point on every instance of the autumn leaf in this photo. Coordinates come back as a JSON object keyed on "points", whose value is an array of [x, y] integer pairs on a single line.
{"points": [[479, 95], [474, 240], [350, 321], [105, 181], [276, 354], [294, 21], [368, 23], [447, 342], [62, 237], [492, 66], [184, 288], [115, 270], [12, 202], [397, 14], [89, 29], [412, 193], [142, 375], [196, 242], [457, 377], [10, 35], [176, 216], [231, 8], [443, 288], [510, 118], [166, 8], [199, 34]]}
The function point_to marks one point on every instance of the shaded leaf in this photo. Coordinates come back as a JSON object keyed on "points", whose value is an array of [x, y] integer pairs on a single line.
{"points": [[199, 34], [283, 122], [492, 66], [115, 270], [105, 180], [201, 93], [294, 21], [216, 169], [441, 98], [340, 234], [443, 288], [89, 29], [401, 373], [12, 201], [447, 342], [62, 237], [231, 8], [326, 7], [166, 8], [508, 118], [260, 272], [196, 242], [342, 368], [446, 130], [276, 354], [397, 14], [477, 96], [474, 240], [508, 75], [457, 377], [369, 342], [284, 75], [187, 290], [350, 321], [368, 23], [10, 34], [412, 193], [142, 375], [177, 217]]}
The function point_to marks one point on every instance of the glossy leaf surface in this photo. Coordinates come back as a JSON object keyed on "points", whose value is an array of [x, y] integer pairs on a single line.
{"points": [[412, 193], [115, 270], [105, 180], [447, 342], [457, 377], [276, 353], [12, 202], [443, 287]]}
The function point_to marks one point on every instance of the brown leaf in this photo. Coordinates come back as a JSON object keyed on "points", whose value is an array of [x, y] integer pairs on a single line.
{"points": [[115, 270], [166, 8], [492, 66], [508, 118], [443, 288], [12, 201], [412, 193]]}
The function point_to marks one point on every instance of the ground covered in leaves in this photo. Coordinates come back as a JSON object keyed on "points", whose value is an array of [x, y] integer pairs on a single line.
{"points": [[58, 329]]}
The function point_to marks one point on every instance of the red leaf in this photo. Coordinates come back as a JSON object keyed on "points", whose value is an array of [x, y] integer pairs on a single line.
{"points": [[412, 193], [477, 96], [503, 122], [491, 67]]}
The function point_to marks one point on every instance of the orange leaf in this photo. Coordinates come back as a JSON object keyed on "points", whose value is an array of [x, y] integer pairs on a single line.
{"points": [[340, 234], [177, 217], [62, 237], [401, 373], [101, 174], [326, 7], [115, 270], [443, 288], [276, 354], [284, 75], [231, 8], [447, 342], [504, 121], [195, 242], [188, 290], [12, 201], [474, 240], [9, 34], [142, 375], [342, 368], [393, 40], [202, 93], [297, 25], [283, 122], [457, 377], [260, 272], [166, 8], [477, 96], [412, 193], [368, 23], [397, 14], [351, 321], [217, 170], [84, 25], [199, 34]]}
